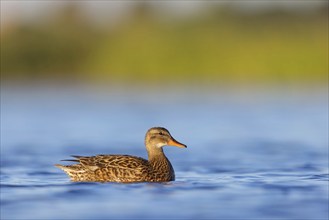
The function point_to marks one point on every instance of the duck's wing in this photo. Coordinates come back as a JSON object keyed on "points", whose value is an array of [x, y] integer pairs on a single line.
{"points": [[119, 162], [109, 168]]}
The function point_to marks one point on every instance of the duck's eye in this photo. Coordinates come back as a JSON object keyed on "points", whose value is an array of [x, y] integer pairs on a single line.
{"points": [[160, 133]]}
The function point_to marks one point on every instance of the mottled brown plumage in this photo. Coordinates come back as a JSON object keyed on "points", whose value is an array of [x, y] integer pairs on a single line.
{"points": [[125, 168]]}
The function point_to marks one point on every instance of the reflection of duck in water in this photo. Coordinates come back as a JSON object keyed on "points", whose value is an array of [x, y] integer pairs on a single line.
{"points": [[125, 168]]}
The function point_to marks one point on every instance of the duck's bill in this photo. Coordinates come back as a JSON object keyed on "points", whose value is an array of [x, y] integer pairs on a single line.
{"points": [[175, 143]]}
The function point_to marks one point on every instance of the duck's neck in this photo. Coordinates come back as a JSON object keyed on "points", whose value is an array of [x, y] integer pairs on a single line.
{"points": [[155, 155], [161, 165]]}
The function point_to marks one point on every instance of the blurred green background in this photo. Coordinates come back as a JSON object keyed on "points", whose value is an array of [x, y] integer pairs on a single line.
{"points": [[165, 42]]}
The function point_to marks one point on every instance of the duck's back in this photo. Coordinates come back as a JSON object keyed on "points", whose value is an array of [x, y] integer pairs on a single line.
{"points": [[109, 168]]}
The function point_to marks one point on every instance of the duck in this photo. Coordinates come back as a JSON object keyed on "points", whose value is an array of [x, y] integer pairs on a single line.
{"points": [[127, 168]]}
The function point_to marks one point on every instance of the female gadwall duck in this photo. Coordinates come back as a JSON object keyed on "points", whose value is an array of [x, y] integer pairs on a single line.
{"points": [[126, 168]]}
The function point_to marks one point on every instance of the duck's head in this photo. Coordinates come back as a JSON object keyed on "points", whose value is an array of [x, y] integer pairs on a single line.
{"points": [[159, 137]]}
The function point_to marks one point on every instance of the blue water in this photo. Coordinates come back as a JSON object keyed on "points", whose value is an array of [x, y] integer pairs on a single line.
{"points": [[260, 154]]}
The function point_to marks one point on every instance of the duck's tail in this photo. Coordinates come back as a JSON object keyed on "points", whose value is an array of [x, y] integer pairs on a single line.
{"points": [[75, 168], [76, 172]]}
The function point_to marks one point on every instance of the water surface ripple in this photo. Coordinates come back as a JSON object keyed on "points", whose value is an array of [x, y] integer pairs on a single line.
{"points": [[263, 159]]}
